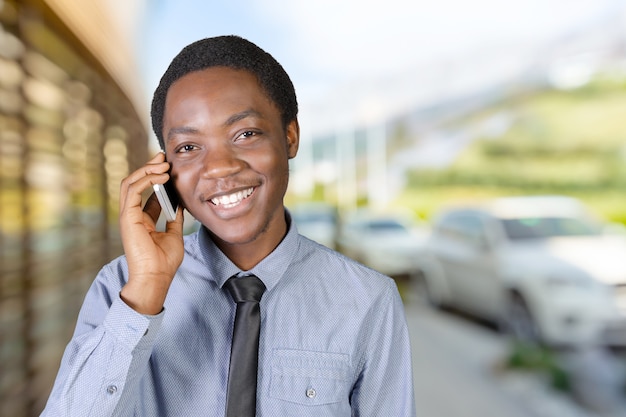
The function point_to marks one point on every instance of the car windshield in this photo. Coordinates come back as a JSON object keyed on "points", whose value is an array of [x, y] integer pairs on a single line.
{"points": [[545, 227], [314, 217], [386, 226]]}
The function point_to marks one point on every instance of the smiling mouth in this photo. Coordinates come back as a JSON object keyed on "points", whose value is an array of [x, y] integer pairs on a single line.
{"points": [[232, 200]]}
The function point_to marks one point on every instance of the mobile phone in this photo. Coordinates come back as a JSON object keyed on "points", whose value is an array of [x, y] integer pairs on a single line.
{"points": [[168, 198]]}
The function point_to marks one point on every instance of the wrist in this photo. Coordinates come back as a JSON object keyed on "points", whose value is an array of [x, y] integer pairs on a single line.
{"points": [[143, 299]]}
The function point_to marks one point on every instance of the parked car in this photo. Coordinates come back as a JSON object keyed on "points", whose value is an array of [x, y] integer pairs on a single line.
{"points": [[317, 221], [539, 265], [385, 242]]}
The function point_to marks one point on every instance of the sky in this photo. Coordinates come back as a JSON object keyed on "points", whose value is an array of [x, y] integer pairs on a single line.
{"points": [[364, 61]]}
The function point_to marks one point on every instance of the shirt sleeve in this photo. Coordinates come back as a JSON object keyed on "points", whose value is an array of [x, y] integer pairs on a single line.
{"points": [[107, 356], [385, 386]]}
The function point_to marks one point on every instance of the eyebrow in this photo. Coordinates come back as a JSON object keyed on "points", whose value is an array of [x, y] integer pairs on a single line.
{"points": [[241, 115], [186, 130], [181, 130]]}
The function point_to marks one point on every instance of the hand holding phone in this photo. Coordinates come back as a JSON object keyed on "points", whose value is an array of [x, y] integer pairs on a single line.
{"points": [[153, 256]]}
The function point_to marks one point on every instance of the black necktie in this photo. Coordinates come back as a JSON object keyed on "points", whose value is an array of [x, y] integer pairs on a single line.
{"points": [[244, 355]]}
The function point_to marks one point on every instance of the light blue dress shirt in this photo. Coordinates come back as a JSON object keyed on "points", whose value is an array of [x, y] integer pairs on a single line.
{"points": [[333, 342]]}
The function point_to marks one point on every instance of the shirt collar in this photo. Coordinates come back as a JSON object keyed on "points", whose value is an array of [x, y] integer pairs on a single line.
{"points": [[269, 270]]}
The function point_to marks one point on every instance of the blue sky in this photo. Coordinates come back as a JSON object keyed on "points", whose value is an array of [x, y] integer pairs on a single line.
{"points": [[170, 25], [349, 59]]}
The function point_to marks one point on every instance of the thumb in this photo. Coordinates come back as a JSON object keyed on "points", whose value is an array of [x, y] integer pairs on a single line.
{"points": [[177, 225]]}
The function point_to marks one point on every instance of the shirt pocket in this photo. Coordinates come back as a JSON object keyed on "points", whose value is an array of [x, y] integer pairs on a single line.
{"points": [[309, 377]]}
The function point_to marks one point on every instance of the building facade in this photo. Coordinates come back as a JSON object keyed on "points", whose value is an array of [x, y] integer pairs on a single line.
{"points": [[71, 128]]}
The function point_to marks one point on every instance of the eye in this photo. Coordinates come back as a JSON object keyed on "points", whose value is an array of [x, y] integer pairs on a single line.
{"points": [[186, 148], [247, 134]]}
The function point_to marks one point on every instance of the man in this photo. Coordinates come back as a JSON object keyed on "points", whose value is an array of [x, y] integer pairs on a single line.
{"points": [[154, 334]]}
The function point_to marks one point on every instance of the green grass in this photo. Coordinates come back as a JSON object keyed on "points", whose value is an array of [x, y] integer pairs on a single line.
{"points": [[571, 143], [538, 359]]}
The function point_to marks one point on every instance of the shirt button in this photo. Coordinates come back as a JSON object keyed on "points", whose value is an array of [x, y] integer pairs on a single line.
{"points": [[111, 389], [311, 393]]}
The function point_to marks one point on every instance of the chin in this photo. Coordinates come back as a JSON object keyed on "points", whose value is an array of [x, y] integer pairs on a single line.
{"points": [[234, 234]]}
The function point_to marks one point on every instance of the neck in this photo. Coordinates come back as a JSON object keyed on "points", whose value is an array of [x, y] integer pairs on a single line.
{"points": [[246, 255]]}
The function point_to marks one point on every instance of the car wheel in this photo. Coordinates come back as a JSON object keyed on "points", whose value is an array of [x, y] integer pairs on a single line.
{"points": [[520, 321]]}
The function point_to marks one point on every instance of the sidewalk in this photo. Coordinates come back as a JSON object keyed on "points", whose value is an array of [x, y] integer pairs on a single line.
{"points": [[535, 395], [457, 373]]}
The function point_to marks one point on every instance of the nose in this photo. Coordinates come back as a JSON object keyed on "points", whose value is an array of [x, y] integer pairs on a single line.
{"points": [[221, 162]]}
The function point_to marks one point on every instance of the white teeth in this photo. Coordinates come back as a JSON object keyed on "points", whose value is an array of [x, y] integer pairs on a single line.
{"points": [[233, 199]]}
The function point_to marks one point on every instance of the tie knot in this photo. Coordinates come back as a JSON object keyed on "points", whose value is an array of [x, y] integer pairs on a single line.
{"points": [[246, 288]]}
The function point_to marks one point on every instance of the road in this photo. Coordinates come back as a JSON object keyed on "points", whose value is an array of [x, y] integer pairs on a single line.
{"points": [[456, 372]]}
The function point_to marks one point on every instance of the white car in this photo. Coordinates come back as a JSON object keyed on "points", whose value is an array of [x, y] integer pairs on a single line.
{"points": [[540, 265], [387, 243]]}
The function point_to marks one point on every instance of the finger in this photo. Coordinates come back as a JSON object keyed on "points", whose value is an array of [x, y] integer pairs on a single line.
{"points": [[158, 157], [131, 194], [157, 165], [177, 225]]}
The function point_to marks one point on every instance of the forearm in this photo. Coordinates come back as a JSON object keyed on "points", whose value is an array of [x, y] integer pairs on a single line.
{"points": [[100, 367]]}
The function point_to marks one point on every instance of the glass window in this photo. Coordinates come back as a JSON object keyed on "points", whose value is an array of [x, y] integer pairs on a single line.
{"points": [[546, 227]]}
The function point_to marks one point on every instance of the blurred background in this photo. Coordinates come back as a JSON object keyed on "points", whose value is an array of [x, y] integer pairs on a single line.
{"points": [[417, 119]]}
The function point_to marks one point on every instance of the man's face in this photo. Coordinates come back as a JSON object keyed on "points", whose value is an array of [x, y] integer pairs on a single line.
{"points": [[229, 154]]}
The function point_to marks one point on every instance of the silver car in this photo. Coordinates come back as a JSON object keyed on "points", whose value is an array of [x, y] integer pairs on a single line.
{"points": [[541, 266], [385, 242]]}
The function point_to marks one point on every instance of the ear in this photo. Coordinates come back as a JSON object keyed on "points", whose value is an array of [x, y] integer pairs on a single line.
{"points": [[293, 138]]}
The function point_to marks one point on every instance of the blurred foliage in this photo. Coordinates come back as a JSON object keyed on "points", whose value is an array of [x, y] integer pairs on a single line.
{"points": [[553, 142], [536, 358]]}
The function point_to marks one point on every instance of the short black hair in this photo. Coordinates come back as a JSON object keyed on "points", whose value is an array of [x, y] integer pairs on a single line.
{"points": [[232, 52]]}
